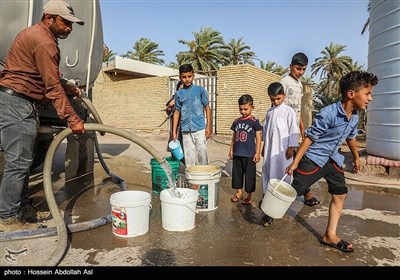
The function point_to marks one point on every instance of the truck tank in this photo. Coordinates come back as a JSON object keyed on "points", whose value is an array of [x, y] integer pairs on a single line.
{"points": [[81, 59]]}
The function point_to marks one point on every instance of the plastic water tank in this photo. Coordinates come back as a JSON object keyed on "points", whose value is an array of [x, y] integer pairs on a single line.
{"points": [[383, 113]]}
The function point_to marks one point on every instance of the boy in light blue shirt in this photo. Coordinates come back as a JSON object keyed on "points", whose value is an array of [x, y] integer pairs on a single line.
{"points": [[190, 104], [318, 155]]}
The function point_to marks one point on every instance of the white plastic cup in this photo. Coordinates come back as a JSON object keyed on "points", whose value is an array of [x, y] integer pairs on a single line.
{"points": [[176, 149]]}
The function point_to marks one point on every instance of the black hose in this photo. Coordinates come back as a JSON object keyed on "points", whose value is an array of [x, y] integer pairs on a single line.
{"points": [[114, 178]]}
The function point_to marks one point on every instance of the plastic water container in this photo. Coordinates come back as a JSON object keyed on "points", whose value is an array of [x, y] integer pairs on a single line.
{"points": [[178, 213], [130, 211], [176, 149], [278, 198], [205, 179], [159, 178]]}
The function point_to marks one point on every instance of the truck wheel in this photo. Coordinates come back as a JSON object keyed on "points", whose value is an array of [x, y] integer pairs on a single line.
{"points": [[40, 150]]}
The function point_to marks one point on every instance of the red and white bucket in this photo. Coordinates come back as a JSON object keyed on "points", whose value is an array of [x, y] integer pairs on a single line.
{"points": [[130, 211]]}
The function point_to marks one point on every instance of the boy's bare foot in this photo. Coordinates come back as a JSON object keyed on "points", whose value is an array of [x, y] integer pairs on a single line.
{"points": [[237, 197]]}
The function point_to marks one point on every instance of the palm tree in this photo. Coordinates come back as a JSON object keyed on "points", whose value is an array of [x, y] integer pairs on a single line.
{"points": [[274, 67], [238, 53], [366, 24], [173, 65], [308, 81], [269, 66], [107, 53], [356, 67], [321, 100], [206, 53], [332, 66], [147, 51], [279, 70]]}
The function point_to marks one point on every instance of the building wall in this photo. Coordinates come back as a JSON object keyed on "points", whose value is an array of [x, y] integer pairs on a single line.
{"points": [[133, 105], [234, 81], [136, 104]]}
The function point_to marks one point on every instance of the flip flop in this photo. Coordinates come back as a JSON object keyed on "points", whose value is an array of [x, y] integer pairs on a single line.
{"points": [[311, 202], [235, 198], [342, 245], [247, 201]]}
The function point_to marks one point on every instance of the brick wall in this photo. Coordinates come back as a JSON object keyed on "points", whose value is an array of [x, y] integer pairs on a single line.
{"points": [[136, 104], [132, 104], [236, 80]]}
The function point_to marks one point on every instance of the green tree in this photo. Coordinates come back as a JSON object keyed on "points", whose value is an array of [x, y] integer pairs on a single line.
{"points": [[238, 52], [269, 66], [274, 67], [356, 67], [320, 99], [332, 67], [279, 70], [366, 24], [173, 65], [107, 53], [206, 53], [147, 51]]}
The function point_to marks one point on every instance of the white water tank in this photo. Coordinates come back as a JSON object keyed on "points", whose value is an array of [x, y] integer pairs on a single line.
{"points": [[383, 113]]}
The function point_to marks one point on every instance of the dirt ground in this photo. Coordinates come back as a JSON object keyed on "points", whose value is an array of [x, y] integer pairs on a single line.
{"points": [[371, 218], [375, 176]]}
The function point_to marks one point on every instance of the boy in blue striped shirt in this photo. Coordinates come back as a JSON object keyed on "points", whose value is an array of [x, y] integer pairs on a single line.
{"points": [[318, 155]]}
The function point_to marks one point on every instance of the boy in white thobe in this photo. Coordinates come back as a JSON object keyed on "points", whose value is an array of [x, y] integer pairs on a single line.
{"points": [[280, 137]]}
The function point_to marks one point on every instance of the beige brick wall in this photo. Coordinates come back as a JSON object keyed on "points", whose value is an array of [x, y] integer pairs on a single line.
{"points": [[234, 81], [136, 104], [132, 104]]}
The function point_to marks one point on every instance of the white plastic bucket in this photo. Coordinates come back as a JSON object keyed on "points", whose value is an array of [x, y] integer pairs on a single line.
{"points": [[176, 149], [205, 179], [277, 200], [178, 213], [130, 211]]}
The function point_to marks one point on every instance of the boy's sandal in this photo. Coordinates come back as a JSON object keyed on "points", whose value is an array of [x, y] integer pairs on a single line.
{"points": [[247, 201], [311, 202], [342, 245], [235, 198]]}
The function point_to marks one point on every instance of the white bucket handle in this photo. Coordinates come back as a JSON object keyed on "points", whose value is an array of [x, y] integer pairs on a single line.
{"points": [[142, 205], [276, 187], [216, 172], [172, 193], [194, 210]]}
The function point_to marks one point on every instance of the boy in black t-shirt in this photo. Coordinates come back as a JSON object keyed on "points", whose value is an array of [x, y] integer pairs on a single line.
{"points": [[245, 150]]}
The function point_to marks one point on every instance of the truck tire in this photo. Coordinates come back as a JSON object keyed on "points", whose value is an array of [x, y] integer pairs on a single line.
{"points": [[40, 150]]}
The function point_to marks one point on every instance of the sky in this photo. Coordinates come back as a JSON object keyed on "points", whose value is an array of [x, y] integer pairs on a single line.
{"points": [[274, 30]]}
